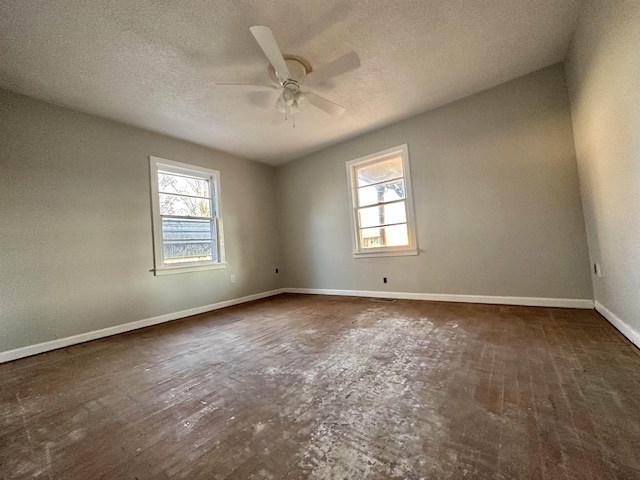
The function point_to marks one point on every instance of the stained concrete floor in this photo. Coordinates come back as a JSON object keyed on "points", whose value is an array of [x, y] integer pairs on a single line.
{"points": [[317, 387]]}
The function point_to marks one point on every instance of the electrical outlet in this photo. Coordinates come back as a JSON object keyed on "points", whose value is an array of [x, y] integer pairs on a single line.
{"points": [[233, 279], [384, 279], [596, 269]]}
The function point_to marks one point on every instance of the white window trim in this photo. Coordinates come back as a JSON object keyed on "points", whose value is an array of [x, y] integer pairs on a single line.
{"points": [[158, 248], [412, 248]]}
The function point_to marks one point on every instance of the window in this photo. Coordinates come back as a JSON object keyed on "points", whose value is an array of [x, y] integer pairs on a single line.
{"points": [[187, 226], [383, 219]]}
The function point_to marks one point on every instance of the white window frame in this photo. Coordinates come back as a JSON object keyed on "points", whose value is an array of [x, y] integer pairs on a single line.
{"points": [[155, 164], [358, 251]]}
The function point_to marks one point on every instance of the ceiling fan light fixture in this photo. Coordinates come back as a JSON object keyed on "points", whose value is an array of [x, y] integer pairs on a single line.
{"points": [[302, 101], [288, 97]]}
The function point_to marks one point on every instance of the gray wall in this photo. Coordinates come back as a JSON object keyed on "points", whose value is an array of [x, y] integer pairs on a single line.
{"points": [[75, 225], [603, 70], [496, 197]]}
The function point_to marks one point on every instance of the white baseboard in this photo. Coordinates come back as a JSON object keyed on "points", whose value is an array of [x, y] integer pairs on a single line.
{"points": [[17, 353], [442, 297], [9, 355], [623, 327]]}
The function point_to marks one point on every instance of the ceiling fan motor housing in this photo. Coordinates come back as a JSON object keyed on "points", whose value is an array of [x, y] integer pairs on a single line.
{"points": [[298, 69]]}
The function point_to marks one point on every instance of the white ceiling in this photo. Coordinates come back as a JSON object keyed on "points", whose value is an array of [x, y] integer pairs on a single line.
{"points": [[153, 63]]}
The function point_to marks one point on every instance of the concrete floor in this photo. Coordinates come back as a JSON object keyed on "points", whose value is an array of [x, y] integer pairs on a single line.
{"points": [[332, 388]]}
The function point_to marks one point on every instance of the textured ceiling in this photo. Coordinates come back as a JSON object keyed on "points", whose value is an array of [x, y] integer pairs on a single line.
{"points": [[153, 64]]}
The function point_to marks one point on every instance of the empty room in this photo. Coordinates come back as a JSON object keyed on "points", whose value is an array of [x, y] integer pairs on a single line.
{"points": [[319, 240]]}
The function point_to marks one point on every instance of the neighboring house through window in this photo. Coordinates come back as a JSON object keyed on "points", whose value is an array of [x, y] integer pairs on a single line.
{"points": [[187, 225], [383, 218]]}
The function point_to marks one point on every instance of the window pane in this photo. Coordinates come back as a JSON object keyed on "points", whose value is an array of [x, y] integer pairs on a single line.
{"points": [[187, 206], [170, 183], [382, 214], [175, 252], [186, 229], [380, 171], [186, 240], [385, 192], [394, 236]]}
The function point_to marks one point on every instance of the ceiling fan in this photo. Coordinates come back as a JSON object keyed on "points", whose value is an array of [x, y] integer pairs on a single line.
{"points": [[290, 72]]}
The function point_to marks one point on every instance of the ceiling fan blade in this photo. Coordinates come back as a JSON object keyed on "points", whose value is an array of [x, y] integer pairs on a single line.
{"points": [[264, 87], [324, 104], [268, 44], [345, 63]]}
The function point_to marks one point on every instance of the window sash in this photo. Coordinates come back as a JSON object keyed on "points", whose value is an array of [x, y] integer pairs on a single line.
{"points": [[213, 241], [378, 204], [170, 265], [352, 176], [180, 172]]}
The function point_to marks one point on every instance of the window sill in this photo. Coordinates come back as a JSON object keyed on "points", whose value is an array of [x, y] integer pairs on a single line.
{"points": [[386, 253], [191, 268]]}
